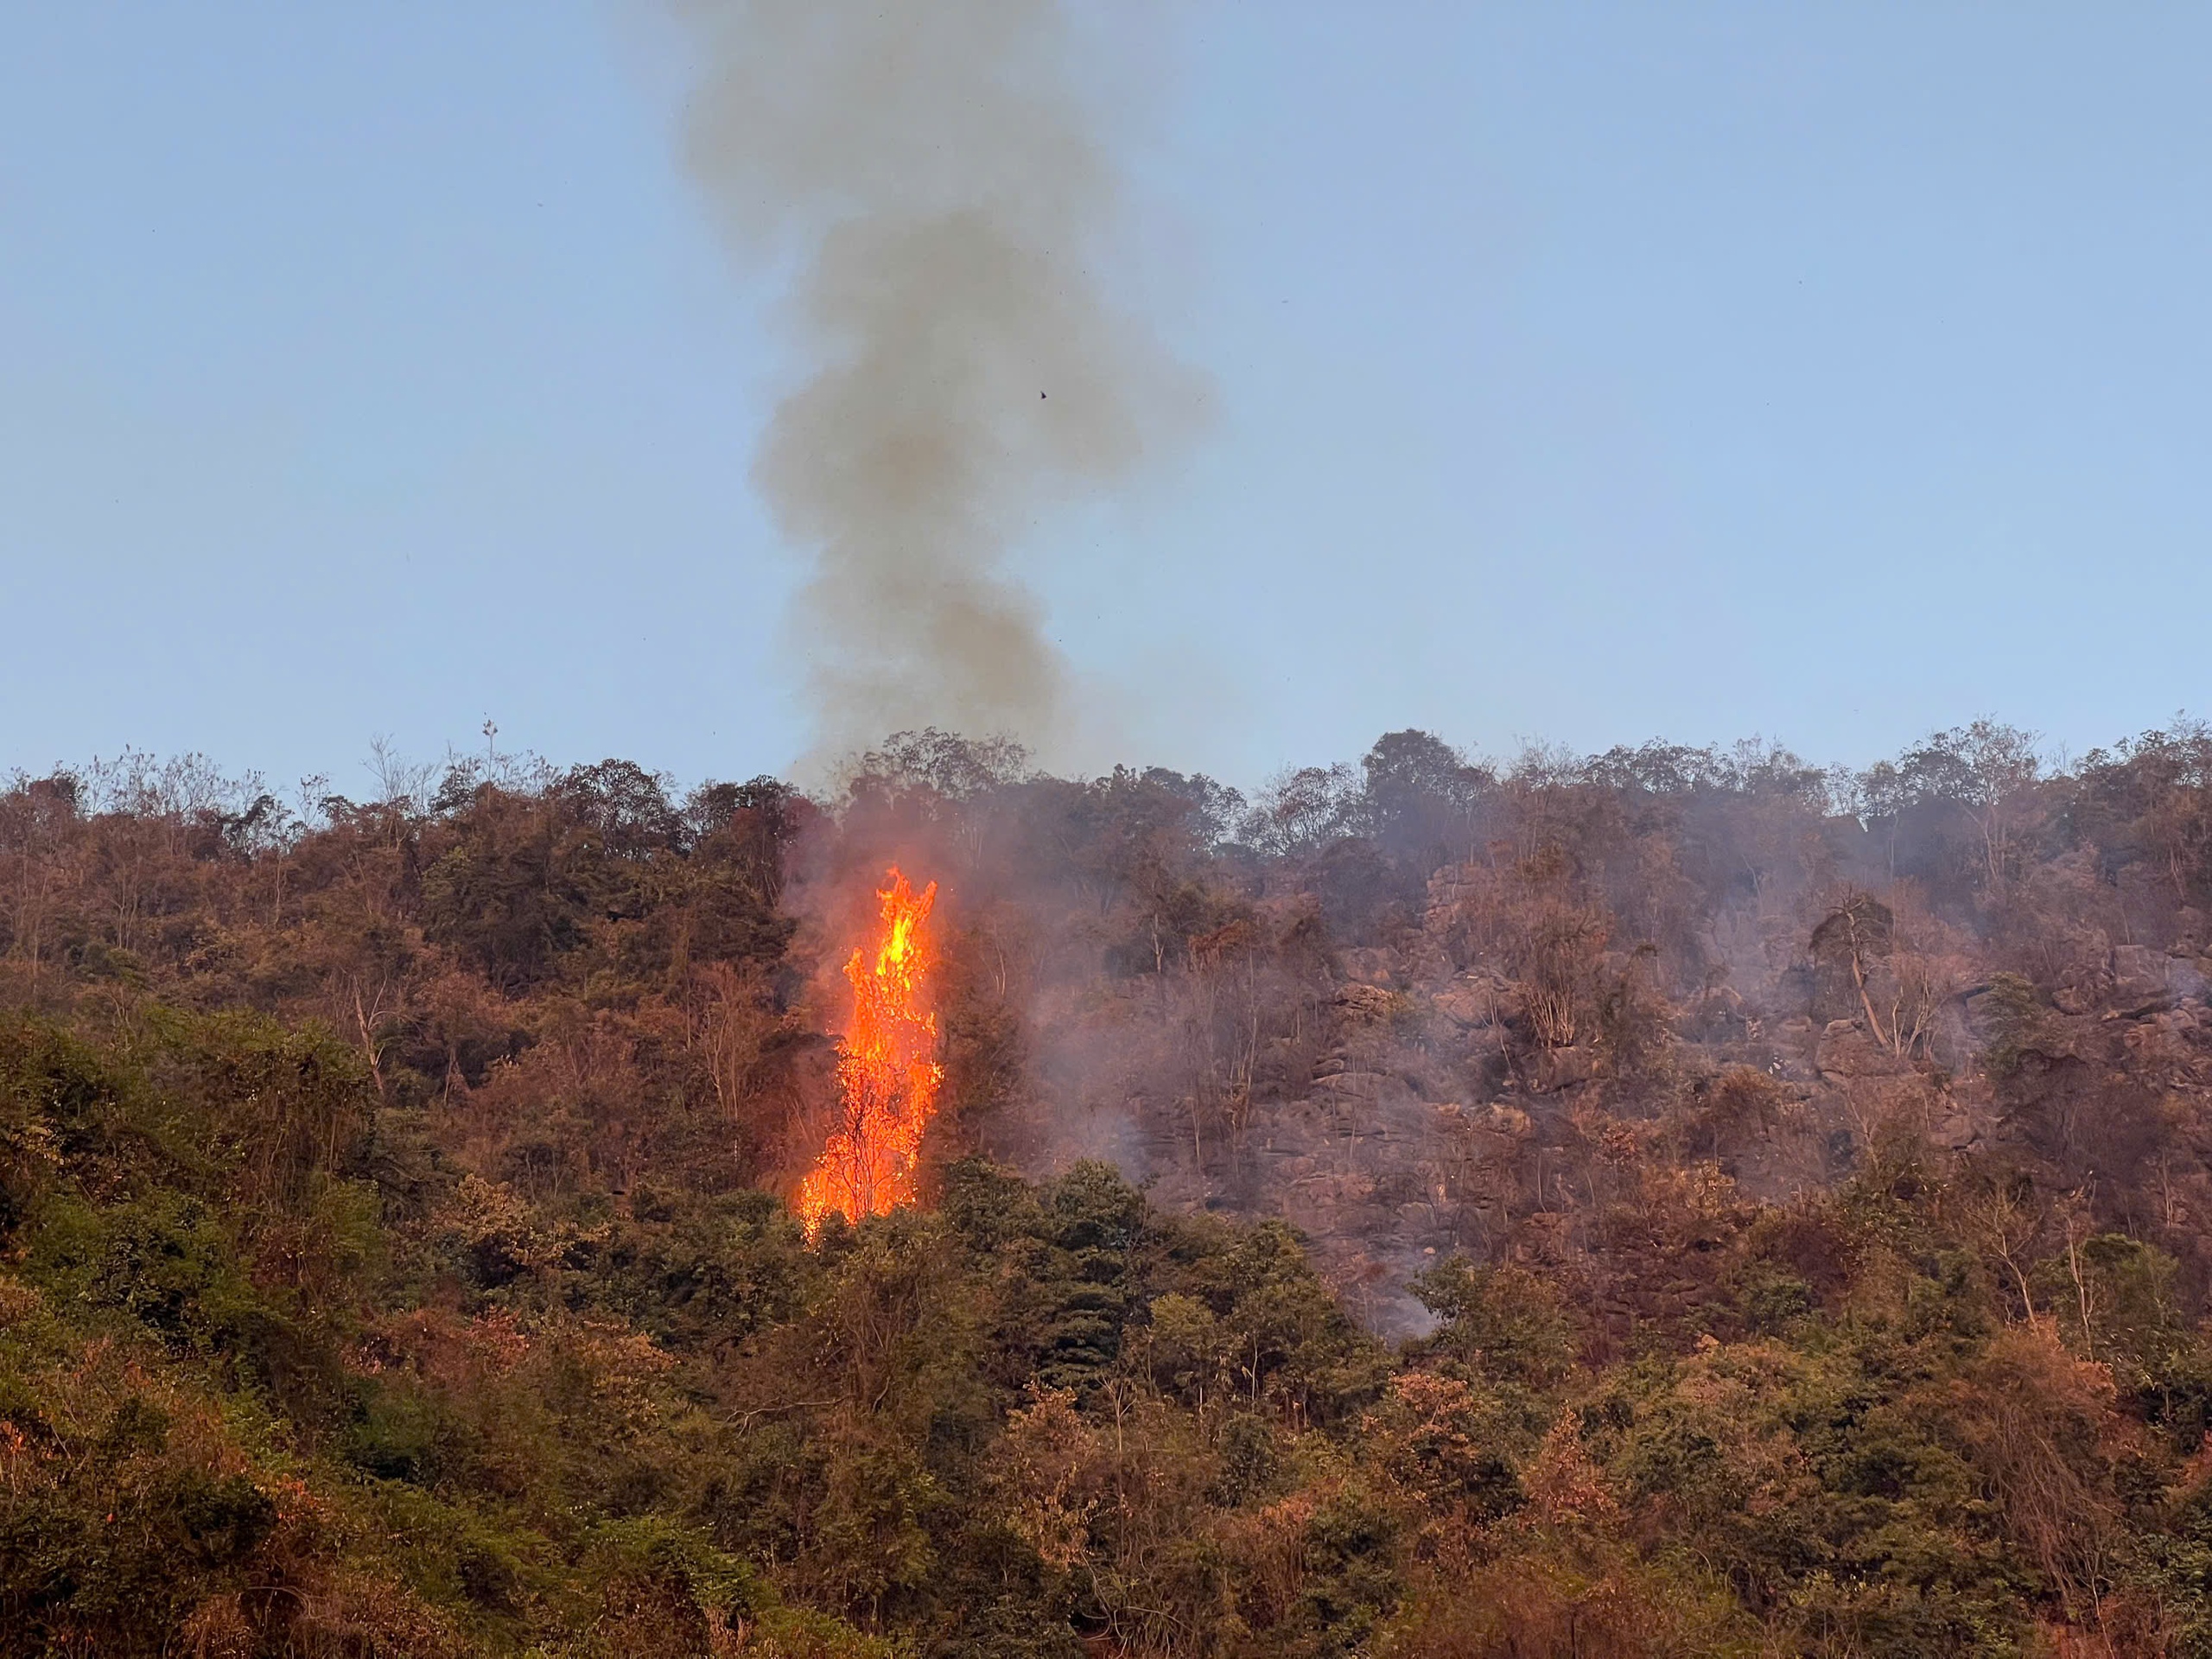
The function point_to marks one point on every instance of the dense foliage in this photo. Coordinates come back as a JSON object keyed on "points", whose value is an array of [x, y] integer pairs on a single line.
{"points": [[1666, 1203]]}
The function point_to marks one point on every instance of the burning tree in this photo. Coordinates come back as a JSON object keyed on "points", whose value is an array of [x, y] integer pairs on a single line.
{"points": [[887, 1071]]}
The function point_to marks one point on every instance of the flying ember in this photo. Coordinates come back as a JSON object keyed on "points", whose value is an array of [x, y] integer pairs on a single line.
{"points": [[887, 1074]]}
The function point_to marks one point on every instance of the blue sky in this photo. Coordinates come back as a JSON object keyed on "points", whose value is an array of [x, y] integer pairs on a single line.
{"points": [[1580, 373]]}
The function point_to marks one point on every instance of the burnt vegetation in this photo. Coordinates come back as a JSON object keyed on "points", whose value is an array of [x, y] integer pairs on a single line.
{"points": [[1671, 1202]]}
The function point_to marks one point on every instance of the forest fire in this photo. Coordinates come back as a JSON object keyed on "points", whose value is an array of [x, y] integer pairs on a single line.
{"points": [[887, 1074]]}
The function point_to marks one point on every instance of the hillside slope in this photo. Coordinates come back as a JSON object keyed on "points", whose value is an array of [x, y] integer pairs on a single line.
{"points": [[1665, 1203]]}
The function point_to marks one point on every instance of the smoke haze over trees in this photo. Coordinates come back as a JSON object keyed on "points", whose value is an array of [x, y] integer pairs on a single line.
{"points": [[1671, 1202]]}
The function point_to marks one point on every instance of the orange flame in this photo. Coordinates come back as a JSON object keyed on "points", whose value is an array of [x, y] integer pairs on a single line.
{"points": [[887, 1074]]}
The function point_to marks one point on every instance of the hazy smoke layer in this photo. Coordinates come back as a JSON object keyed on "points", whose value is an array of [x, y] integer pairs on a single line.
{"points": [[942, 182]]}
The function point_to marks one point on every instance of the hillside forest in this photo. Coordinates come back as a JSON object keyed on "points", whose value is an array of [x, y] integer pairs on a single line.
{"points": [[1666, 1203]]}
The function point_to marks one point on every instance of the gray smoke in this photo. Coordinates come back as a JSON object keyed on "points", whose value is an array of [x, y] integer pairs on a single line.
{"points": [[932, 167]]}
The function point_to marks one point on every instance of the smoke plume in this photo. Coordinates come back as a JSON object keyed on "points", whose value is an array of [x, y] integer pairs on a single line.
{"points": [[934, 172]]}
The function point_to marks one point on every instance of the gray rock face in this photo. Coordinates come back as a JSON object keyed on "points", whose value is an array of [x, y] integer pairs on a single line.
{"points": [[2140, 978], [1466, 1004]]}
